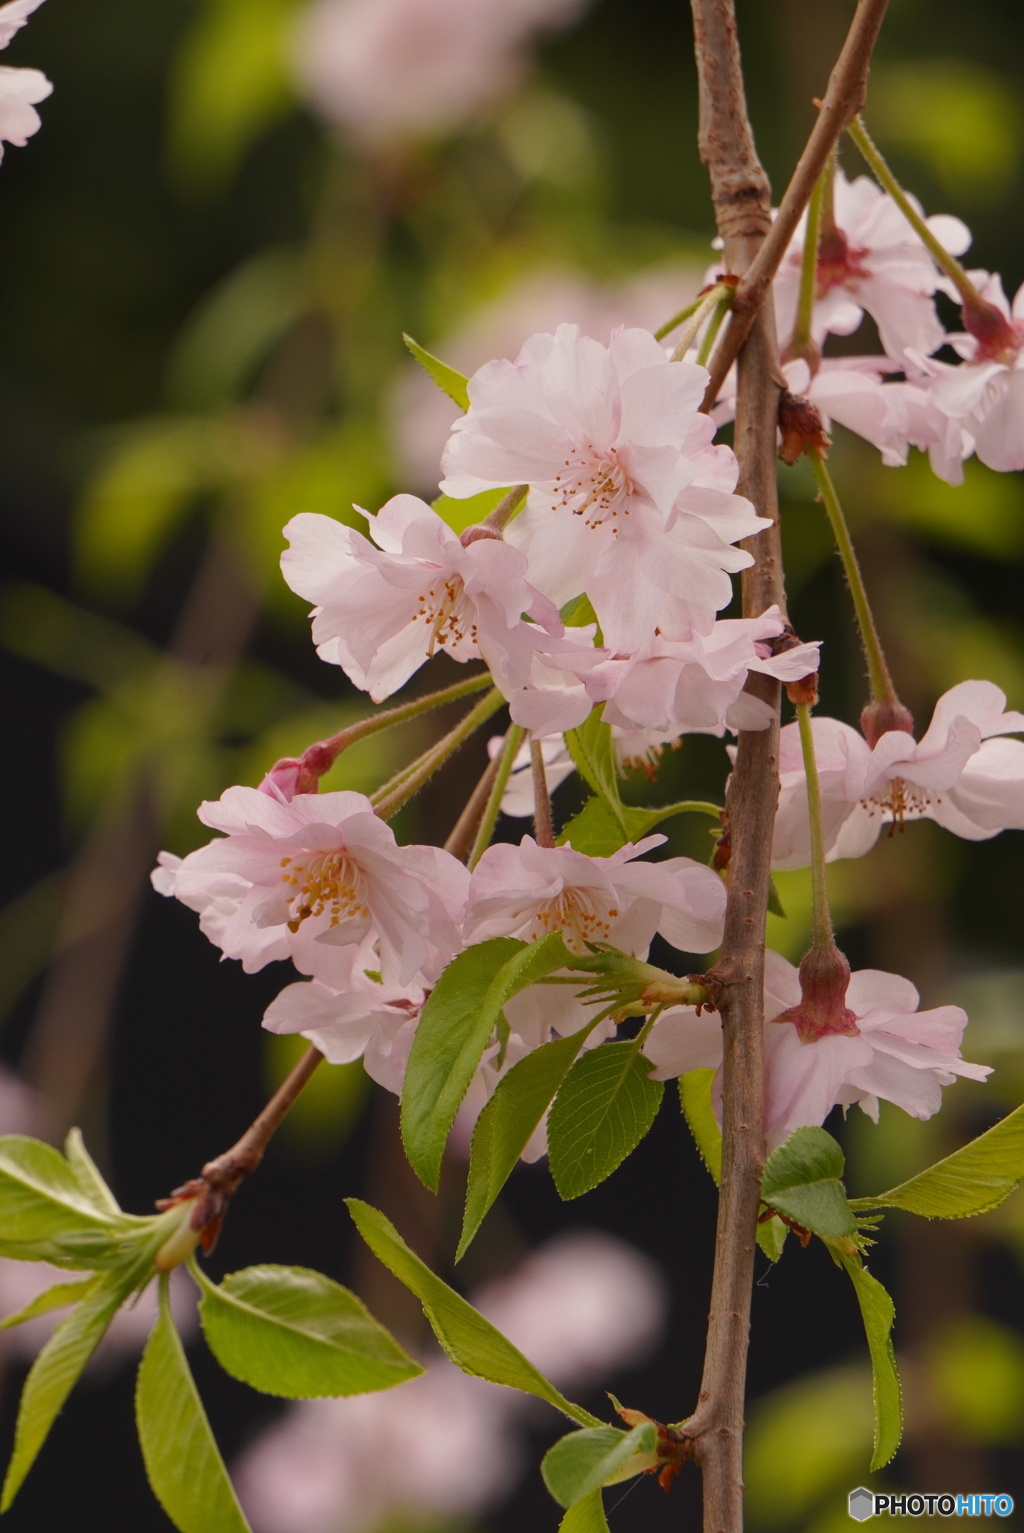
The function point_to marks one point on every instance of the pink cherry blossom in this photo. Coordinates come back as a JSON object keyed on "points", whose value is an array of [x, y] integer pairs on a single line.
{"points": [[984, 394], [20, 89], [629, 501], [696, 685], [304, 879], [961, 774], [892, 1051], [540, 299], [358, 1016], [529, 890], [383, 608], [856, 393], [874, 261], [13, 17], [392, 69]]}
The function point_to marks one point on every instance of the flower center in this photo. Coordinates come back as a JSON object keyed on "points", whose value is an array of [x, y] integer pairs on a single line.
{"points": [[327, 883], [448, 613], [595, 486], [577, 915], [839, 263], [902, 801]]}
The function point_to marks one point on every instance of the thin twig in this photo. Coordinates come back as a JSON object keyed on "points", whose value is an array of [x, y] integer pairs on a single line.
{"points": [[212, 1190], [542, 828], [389, 799], [844, 98], [464, 830]]}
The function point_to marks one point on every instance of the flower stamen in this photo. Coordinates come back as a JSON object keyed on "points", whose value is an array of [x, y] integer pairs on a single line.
{"points": [[328, 883]]}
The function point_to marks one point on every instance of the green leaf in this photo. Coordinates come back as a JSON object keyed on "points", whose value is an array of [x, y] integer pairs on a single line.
{"points": [[695, 1099], [293, 1332], [46, 1216], [460, 514], [593, 754], [775, 905], [86, 1174], [57, 1297], [803, 1180], [507, 1122], [580, 1463], [447, 379], [968, 1182], [597, 831], [183, 1462], [587, 1516], [471, 1342], [877, 1312], [771, 1237], [600, 1115], [59, 1366], [455, 1028]]}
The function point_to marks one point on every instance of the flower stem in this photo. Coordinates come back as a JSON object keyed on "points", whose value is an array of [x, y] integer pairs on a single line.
{"points": [[710, 335], [319, 758], [882, 689], [802, 343], [460, 839], [713, 303], [883, 175], [506, 508], [822, 915], [513, 740], [394, 794], [542, 828], [677, 319]]}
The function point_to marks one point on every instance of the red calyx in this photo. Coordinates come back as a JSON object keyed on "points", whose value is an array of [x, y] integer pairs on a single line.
{"points": [[998, 338], [877, 719], [822, 1011]]}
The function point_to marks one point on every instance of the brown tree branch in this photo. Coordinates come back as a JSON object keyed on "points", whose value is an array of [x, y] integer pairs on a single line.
{"points": [[742, 198], [844, 98], [212, 1190]]}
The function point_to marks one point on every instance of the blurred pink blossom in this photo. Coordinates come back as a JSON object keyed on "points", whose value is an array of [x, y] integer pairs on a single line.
{"points": [[393, 69], [445, 1445]]}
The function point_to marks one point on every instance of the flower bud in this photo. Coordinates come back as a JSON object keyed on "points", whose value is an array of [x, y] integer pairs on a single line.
{"points": [[822, 1010], [291, 775], [877, 719], [183, 1238]]}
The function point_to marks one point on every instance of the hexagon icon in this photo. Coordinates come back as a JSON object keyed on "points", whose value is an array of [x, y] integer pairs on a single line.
{"points": [[862, 1504]]}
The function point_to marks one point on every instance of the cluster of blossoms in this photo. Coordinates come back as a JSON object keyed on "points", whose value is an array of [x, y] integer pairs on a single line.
{"points": [[597, 582], [871, 261]]}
